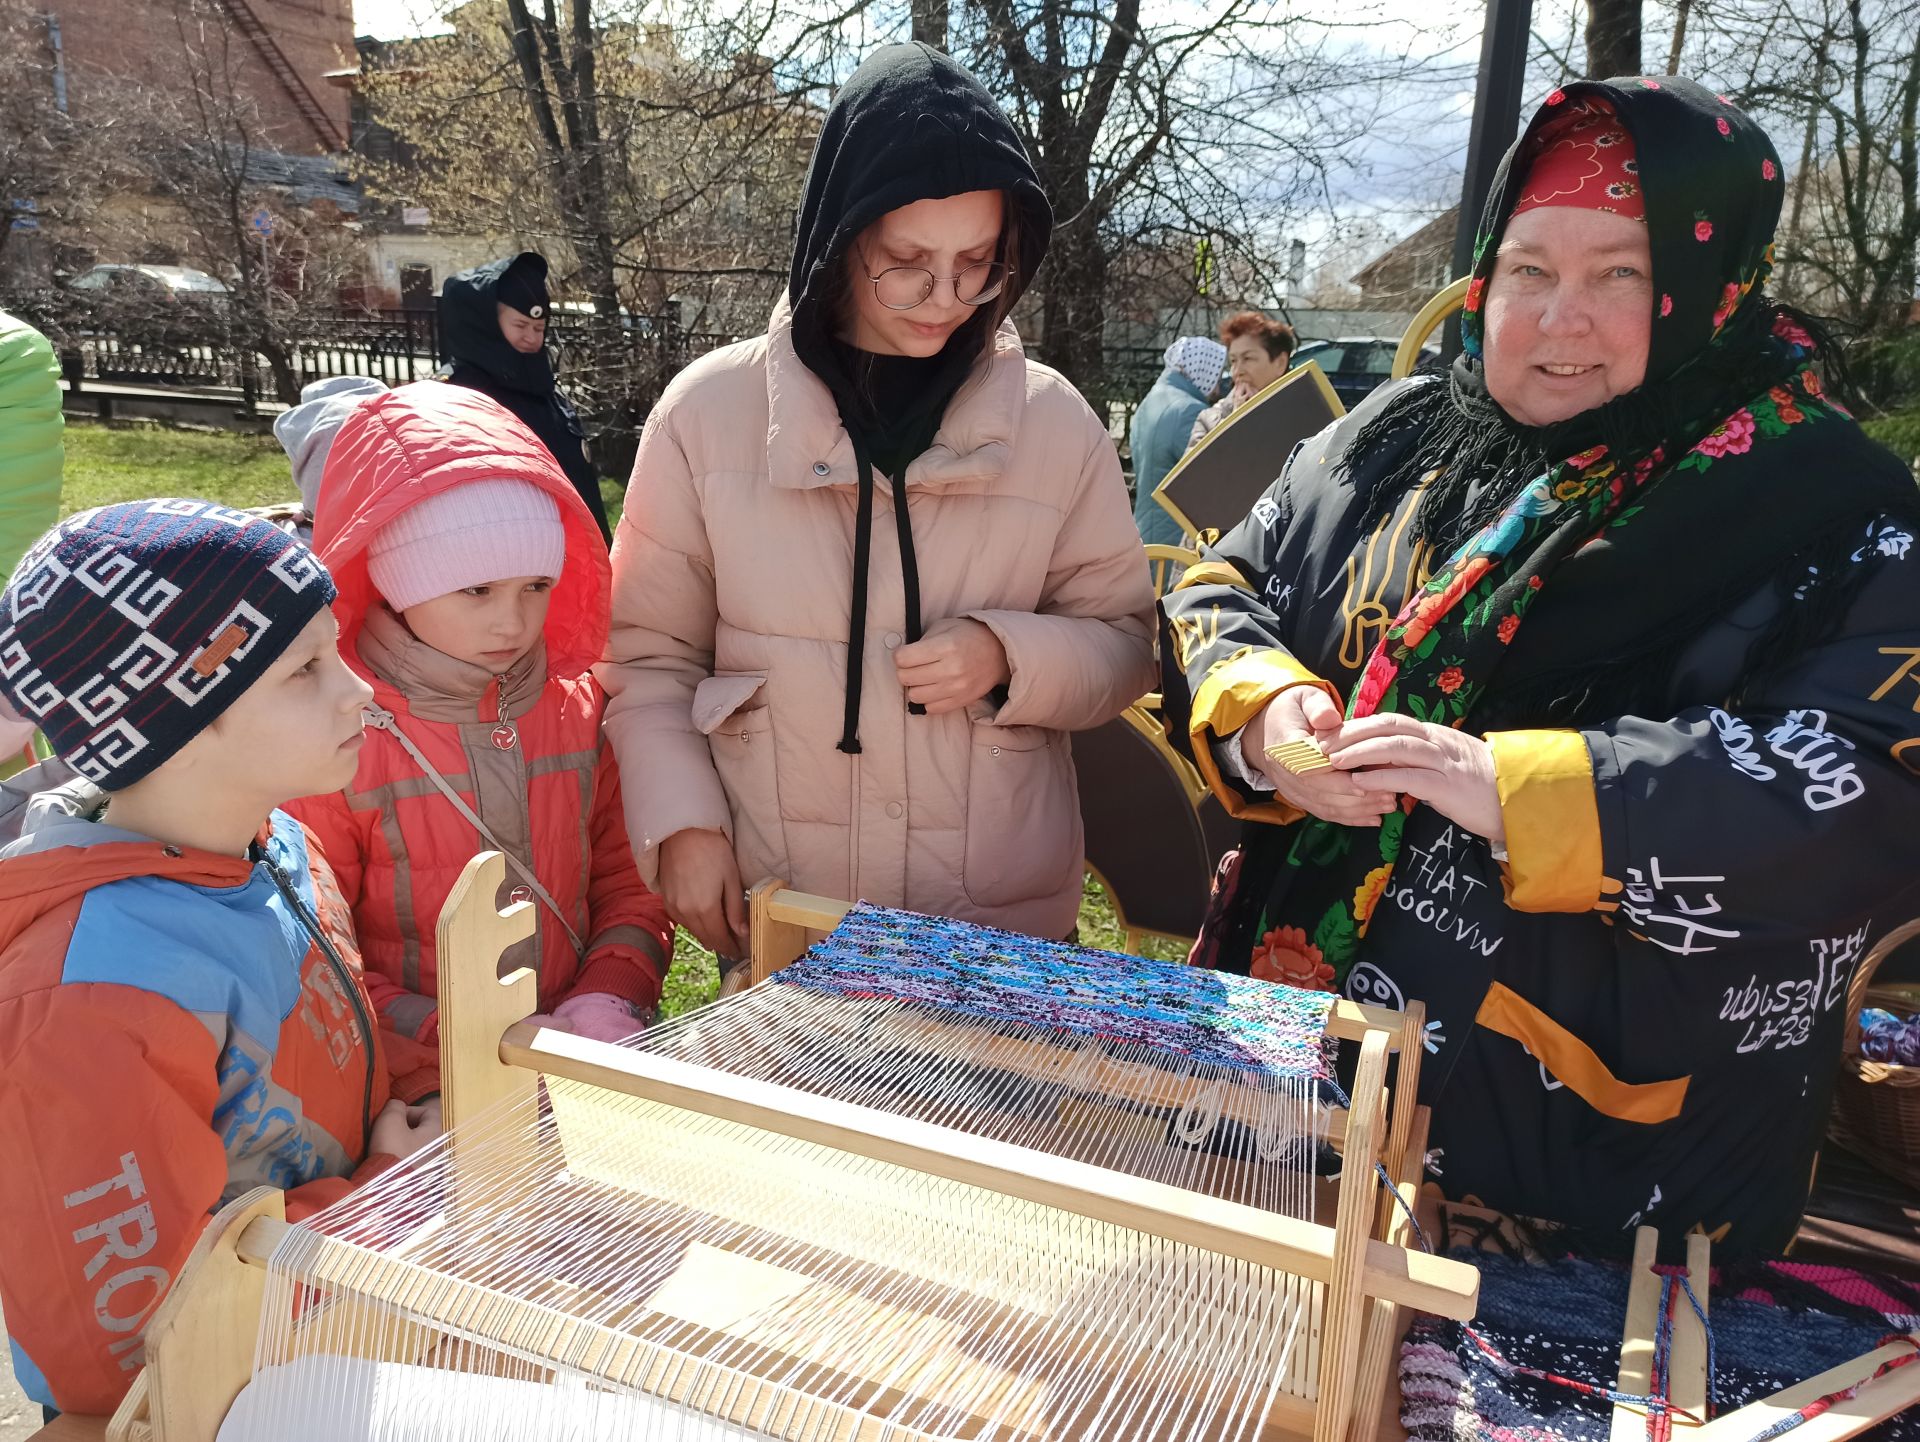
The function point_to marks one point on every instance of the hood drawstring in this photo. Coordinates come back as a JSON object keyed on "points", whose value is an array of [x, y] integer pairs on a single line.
{"points": [[862, 560], [857, 621], [909, 570]]}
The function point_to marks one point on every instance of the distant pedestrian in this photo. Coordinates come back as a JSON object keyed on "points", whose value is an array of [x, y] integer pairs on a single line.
{"points": [[493, 327], [1162, 424], [1259, 352]]}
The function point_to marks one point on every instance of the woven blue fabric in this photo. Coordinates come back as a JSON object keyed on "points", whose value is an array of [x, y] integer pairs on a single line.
{"points": [[1183, 1012]]}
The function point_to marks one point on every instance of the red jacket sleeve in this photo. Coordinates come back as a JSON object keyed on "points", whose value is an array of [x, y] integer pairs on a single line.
{"points": [[409, 1032], [107, 1096], [630, 938]]}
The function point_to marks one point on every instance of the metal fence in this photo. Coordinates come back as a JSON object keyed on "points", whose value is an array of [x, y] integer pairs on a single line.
{"points": [[202, 344], [198, 345]]}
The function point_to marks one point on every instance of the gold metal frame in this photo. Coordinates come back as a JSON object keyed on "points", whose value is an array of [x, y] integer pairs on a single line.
{"points": [[1307, 373], [1162, 560], [1431, 316]]}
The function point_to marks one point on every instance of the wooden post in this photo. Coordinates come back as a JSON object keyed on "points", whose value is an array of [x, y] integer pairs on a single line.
{"points": [[200, 1342], [1689, 1386], [1376, 1387], [476, 1003], [1406, 1100], [782, 924], [1637, 1338], [1345, 1313]]}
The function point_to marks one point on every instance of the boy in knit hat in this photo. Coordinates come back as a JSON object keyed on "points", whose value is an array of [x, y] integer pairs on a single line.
{"points": [[474, 596], [181, 1012]]}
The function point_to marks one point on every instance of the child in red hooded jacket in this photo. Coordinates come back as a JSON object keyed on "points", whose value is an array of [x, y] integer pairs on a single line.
{"points": [[474, 597]]}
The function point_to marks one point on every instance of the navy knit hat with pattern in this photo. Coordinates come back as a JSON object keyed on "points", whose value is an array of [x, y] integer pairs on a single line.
{"points": [[127, 630]]}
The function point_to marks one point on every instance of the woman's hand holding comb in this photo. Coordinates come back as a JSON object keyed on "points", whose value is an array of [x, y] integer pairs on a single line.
{"points": [[1287, 742]]}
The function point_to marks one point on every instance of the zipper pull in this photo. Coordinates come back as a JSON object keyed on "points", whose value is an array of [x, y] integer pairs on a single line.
{"points": [[505, 737]]}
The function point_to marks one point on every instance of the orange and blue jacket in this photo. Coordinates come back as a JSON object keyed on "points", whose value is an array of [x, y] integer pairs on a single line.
{"points": [[173, 1032]]}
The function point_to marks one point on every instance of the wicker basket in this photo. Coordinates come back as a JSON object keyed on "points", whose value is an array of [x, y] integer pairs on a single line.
{"points": [[1876, 1105]]}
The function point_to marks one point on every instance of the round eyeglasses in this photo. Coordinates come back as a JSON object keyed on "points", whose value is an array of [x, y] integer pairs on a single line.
{"points": [[902, 287]]}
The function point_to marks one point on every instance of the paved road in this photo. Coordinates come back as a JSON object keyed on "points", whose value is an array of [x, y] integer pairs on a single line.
{"points": [[19, 1418]]}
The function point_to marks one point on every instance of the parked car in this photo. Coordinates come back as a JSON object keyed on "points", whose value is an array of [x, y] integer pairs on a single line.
{"points": [[1356, 365], [148, 322], [155, 282]]}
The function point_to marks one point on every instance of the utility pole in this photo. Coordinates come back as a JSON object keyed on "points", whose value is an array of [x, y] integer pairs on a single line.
{"points": [[1496, 120]]}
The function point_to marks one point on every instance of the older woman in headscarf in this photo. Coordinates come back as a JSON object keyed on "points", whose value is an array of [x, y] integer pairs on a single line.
{"points": [[1158, 436], [1611, 639]]}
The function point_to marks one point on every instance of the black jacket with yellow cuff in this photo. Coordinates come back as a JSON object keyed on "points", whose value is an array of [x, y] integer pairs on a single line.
{"points": [[1637, 1018]]}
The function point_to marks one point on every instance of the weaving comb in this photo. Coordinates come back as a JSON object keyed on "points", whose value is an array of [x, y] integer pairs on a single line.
{"points": [[1299, 757]]}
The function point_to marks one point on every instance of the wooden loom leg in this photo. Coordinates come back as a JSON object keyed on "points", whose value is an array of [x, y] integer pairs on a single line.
{"points": [[1637, 1338], [1346, 1308], [200, 1342], [1688, 1385], [1376, 1387], [771, 944], [1874, 1403], [476, 1003], [1405, 1101]]}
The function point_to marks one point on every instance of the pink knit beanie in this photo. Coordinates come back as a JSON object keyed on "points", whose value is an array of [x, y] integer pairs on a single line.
{"points": [[476, 533]]}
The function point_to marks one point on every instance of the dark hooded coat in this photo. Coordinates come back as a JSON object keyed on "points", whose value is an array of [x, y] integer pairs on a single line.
{"points": [[525, 384]]}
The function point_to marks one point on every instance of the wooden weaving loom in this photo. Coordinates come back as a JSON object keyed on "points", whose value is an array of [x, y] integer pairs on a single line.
{"points": [[694, 1236]]}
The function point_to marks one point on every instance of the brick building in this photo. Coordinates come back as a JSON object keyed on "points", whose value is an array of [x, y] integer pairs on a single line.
{"points": [[278, 53]]}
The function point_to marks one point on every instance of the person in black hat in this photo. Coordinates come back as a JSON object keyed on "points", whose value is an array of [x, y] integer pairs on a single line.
{"points": [[493, 328]]}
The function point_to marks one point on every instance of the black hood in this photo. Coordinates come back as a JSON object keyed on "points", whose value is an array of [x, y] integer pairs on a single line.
{"points": [[470, 330], [910, 124]]}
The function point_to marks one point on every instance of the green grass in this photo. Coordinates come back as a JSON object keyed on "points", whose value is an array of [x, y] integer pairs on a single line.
{"points": [[1898, 431], [131, 460]]}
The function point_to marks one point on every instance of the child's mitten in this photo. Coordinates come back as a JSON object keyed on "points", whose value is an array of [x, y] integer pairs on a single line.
{"points": [[599, 1016]]}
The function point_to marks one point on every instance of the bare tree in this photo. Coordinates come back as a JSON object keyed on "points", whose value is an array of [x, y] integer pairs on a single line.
{"points": [[1613, 38], [53, 164], [930, 22], [1839, 83], [196, 187], [1186, 146], [1171, 133], [651, 162]]}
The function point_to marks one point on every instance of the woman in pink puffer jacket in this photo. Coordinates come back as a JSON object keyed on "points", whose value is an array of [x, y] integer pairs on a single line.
{"points": [[876, 564]]}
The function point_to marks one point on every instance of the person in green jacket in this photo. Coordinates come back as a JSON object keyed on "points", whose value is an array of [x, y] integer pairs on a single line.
{"points": [[31, 452]]}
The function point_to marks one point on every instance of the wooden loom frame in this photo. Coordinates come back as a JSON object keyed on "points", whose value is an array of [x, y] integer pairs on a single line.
{"points": [[1687, 1380], [200, 1342]]}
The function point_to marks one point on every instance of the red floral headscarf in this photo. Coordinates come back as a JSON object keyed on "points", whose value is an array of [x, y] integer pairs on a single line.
{"points": [[1586, 159]]}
